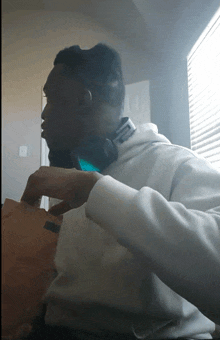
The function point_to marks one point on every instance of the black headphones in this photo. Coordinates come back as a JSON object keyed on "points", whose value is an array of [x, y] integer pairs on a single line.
{"points": [[96, 153]]}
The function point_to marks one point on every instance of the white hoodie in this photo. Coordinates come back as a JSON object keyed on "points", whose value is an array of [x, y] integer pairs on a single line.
{"points": [[155, 246]]}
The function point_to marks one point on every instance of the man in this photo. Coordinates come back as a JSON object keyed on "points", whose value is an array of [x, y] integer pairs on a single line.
{"points": [[139, 256]]}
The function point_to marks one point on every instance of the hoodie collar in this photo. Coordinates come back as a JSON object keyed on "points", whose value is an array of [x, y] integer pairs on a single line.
{"points": [[144, 134]]}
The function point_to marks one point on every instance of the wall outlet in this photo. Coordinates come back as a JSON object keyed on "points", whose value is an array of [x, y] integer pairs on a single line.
{"points": [[23, 151]]}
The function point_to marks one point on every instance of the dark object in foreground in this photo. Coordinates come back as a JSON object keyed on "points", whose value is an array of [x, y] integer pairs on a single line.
{"points": [[42, 331]]}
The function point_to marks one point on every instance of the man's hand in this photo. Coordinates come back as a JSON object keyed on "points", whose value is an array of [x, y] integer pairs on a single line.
{"points": [[70, 185]]}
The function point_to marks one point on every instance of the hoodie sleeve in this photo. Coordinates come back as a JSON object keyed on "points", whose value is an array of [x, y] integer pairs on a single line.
{"points": [[180, 238]]}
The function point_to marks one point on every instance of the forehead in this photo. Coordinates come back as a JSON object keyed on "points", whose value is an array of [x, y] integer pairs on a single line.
{"points": [[59, 84]]}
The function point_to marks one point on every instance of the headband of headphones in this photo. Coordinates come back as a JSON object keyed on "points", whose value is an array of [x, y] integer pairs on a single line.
{"points": [[98, 153]]}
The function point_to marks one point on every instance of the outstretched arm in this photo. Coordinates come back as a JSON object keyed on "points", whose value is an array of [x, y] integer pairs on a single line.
{"points": [[180, 237], [181, 241]]}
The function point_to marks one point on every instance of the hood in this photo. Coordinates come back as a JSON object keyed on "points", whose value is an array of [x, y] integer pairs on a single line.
{"points": [[144, 135]]}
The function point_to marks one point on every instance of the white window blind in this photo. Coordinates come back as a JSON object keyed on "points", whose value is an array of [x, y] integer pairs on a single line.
{"points": [[204, 93]]}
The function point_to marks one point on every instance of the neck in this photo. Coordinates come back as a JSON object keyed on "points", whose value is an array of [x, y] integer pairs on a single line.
{"points": [[108, 119]]}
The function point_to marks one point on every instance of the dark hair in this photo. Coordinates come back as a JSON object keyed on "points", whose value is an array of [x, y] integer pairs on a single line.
{"points": [[99, 68]]}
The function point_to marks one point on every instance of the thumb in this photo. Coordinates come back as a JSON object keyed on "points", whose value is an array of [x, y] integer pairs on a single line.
{"points": [[62, 208]]}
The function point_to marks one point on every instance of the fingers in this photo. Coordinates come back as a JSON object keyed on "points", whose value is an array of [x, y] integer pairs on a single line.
{"points": [[36, 187], [64, 184], [31, 194], [34, 201], [63, 207]]}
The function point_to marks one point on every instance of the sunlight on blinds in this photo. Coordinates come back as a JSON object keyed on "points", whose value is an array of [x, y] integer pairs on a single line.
{"points": [[204, 93]]}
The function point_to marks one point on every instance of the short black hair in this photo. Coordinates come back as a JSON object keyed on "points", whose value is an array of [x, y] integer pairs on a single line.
{"points": [[99, 68]]}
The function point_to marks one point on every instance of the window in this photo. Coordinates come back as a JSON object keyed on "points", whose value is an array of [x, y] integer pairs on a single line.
{"points": [[204, 93]]}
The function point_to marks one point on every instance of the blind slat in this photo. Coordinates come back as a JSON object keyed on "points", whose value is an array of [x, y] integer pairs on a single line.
{"points": [[210, 136], [198, 112], [196, 97], [208, 154], [204, 126], [208, 149]]}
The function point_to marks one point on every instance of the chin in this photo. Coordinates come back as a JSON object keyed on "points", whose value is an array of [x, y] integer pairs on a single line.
{"points": [[55, 146]]}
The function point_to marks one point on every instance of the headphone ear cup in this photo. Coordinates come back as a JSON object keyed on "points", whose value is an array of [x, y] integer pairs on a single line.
{"points": [[110, 150]]}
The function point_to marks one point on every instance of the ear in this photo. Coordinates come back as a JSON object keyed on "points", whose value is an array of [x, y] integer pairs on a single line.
{"points": [[85, 99]]}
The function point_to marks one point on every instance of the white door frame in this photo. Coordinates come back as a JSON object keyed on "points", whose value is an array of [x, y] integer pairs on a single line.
{"points": [[44, 151]]}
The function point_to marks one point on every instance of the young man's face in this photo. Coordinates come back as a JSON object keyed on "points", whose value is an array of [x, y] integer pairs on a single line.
{"points": [[66, 120]]}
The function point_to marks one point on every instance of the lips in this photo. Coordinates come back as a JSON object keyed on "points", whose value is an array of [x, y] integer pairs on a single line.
{"points": [[44, 130], [43, 126], [43, 134]]}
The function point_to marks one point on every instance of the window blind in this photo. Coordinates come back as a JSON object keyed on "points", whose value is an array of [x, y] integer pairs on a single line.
{"points": [[204, 93]]}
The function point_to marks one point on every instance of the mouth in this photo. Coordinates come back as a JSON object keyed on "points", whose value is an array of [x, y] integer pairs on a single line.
{"points": [[44, 129], [43, 126], [47, 136], [43, 134]]}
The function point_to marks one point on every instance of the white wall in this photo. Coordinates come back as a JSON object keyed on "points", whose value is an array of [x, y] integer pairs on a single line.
{"points": [[31, 39]]}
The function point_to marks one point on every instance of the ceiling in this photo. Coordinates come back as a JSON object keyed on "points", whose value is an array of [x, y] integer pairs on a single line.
{"points": [[159, 27]]}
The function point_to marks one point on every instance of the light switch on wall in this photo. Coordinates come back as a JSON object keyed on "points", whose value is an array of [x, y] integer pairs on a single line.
{"points": [[23, 151]]}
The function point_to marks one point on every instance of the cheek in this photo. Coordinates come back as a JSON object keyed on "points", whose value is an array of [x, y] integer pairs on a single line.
{"points": [[70, 129], [69, 124], [59, 119], [75, 129]]}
